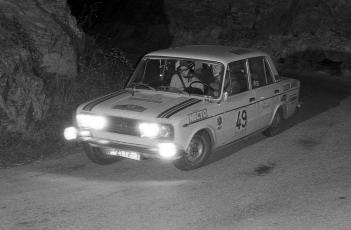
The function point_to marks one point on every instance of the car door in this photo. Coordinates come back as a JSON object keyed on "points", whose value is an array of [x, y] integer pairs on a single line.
{"points": [[239, 110], [266, 92]]}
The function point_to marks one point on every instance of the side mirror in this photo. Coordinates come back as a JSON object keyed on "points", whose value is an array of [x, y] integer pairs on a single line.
{"points": [[225, 96]]}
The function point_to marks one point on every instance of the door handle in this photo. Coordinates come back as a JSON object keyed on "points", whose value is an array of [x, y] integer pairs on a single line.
{"points": [[276, 91], [252, 99]]}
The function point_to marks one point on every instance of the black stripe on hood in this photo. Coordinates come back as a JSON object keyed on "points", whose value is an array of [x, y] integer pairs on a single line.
{"points": [[161, 115], [92, 104], [169, 112], [195, 101]]}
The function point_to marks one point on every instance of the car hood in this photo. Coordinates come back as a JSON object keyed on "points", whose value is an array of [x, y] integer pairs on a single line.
{"points": [[141, 104]]}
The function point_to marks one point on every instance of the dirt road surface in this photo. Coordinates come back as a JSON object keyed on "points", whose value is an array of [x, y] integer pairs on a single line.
{"points": [[299, 179]]}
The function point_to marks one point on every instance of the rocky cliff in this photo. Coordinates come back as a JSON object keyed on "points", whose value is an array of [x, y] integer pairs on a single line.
{"points": [[39, 43]]}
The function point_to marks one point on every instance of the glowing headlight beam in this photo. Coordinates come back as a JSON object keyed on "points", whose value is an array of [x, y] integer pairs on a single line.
{"points": [[91, 121], [149, 129]]}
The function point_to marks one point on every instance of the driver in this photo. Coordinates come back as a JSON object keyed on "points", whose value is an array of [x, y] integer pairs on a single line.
{"points": [[184, 77]]}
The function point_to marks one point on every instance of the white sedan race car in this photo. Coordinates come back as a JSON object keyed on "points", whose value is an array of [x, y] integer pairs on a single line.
{"points": [[181, 104]]}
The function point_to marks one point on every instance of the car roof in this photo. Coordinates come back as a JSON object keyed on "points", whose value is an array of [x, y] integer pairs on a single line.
{"points": [[224, 54]]}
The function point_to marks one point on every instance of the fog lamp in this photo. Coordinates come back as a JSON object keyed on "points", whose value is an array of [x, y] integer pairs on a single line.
{"points": [[167, 150]]}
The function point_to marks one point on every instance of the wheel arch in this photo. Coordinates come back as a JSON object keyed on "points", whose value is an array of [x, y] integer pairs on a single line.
{"points": [[280, 107], [210, 132]]}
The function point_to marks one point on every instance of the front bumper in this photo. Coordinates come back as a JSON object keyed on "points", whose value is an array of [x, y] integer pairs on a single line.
{"points": [[145, 151]]}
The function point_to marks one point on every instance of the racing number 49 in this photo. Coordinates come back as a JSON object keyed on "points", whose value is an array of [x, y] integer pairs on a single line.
{"points": [[241, 120]]}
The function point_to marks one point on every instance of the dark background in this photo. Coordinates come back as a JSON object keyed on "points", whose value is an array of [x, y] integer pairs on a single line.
{"points": [[134, 26], [308, 34]]}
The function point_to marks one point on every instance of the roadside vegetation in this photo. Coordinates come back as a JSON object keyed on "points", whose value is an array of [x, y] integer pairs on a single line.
{"points": [[100, 71]]}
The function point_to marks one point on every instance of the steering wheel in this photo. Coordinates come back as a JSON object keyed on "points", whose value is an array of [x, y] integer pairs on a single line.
{"points": [[204, 84]]}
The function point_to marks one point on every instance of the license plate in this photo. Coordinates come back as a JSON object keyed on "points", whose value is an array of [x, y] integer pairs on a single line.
{"points": [[123, 153]]}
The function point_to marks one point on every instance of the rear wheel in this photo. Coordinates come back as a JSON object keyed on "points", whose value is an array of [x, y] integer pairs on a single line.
{"points": [[196, 154], [274, 128], [99, 155]]}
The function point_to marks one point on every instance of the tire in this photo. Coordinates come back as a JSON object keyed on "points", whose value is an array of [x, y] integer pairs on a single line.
{"points": [[274, 128], [196, 154], [99, 156]]}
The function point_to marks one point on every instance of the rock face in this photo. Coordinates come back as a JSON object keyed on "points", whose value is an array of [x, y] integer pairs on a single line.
{"points": [[306, 34], [39, 43]]}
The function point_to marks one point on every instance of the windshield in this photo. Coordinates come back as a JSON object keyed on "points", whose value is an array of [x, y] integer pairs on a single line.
{"points": [[186, 76]]}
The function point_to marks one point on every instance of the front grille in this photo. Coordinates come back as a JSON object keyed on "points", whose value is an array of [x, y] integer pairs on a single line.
{"points": [[122, 126]]}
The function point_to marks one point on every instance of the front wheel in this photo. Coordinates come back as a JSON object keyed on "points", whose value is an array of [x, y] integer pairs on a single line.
{"points": [[196, 154], [274, 128], [99, 155]]}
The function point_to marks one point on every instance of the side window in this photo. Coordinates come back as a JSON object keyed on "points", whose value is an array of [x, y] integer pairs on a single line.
{"points": [[237, 77], [268, 72], [257, 70]]}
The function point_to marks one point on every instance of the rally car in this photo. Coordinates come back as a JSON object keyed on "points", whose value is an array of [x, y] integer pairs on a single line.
{"points": [[227, 94]]}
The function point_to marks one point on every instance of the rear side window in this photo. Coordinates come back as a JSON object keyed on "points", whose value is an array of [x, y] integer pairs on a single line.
{"points": [[237, 76], [261, 73], [257, 70]]}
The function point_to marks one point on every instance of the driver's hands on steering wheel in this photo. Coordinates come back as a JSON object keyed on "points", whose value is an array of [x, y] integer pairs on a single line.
{"points": [[209, 87]]}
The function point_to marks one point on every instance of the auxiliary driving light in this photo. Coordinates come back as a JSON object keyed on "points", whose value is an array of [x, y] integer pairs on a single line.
{"points": [[167, 150], [70, 133]]}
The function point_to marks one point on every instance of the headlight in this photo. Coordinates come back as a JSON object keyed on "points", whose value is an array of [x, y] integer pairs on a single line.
{"points": [[154, 130], [91, 121]]}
